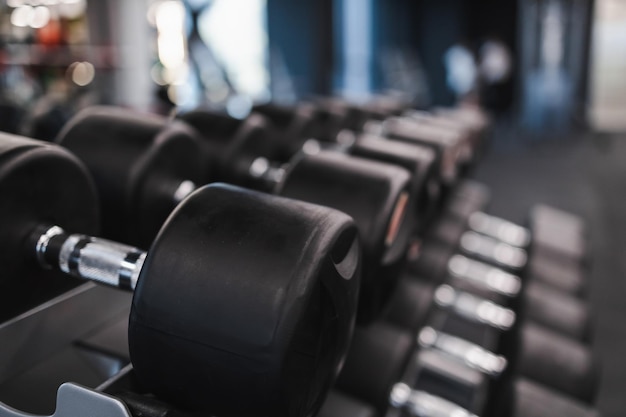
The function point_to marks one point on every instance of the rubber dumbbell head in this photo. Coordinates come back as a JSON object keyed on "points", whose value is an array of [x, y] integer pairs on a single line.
{"points": [[377, 197], [448, 145], [143, 166], [27, 197]]}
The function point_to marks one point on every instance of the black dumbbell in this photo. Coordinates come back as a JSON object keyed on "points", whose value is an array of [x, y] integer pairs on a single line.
{"points": [[451, 147], [383, 370], [455, 378], [468, 124], [376, 195], [378, 357], [381, 354], [143, 165], [528, 400], [239, 290], [506, 244], [296, 130], [537, 302], [540, 303], [297, 190], [544, 303], [532, 349]]}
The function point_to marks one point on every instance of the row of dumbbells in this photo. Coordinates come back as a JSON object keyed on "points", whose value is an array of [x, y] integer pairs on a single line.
{"points": [[551, 360], [143, 166]]}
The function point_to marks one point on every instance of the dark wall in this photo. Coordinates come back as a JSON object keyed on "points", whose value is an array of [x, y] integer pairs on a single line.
{"points": [[430, 27], [441, 24], [302, 33]]}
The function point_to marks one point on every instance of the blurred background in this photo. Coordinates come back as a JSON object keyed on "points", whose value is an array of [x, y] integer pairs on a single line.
{"points": [[544, 65], [551, 72]]}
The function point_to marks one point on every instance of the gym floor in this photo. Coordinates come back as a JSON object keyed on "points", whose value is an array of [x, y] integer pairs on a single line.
{"points": [[584, 174]]}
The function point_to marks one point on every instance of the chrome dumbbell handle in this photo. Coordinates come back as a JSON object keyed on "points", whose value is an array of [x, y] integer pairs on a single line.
{"points": [[493, 250], [422, 404], [473, 308], [471, 354], [185, 188], [89, 258], [500, 229]]}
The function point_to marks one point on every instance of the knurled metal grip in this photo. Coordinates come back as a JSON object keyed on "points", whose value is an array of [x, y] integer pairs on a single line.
{"points": [[471, 354], [503, 230], [89, 258], [422, 404], [473, 308]]}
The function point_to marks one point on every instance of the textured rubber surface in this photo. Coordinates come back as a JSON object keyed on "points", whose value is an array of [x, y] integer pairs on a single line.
{"points": [[137, 162], [535, 400], [558, 362], [369, 192], [564, 275], [558, 311], [245, 292], [377, 359]]}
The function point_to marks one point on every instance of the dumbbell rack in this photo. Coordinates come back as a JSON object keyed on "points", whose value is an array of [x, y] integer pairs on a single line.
{"points": [[64, 328], [81, 336], [91, 320]]}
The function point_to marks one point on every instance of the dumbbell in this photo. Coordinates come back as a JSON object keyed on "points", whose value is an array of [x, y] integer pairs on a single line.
{"points": [[456, 134], [327, 168], [552, 279], [529, 400], [308, 127], [297, 130], [534, 340], [372, 117], [454, 373], [541, 303], [544, 303], [439, 379], [560, 313], [239, 290], [433, 258], [451, 147], [368, 391], [538, 352], [550, 243], [511, 343], [375, 194], [139, 186], [326, 117]]}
